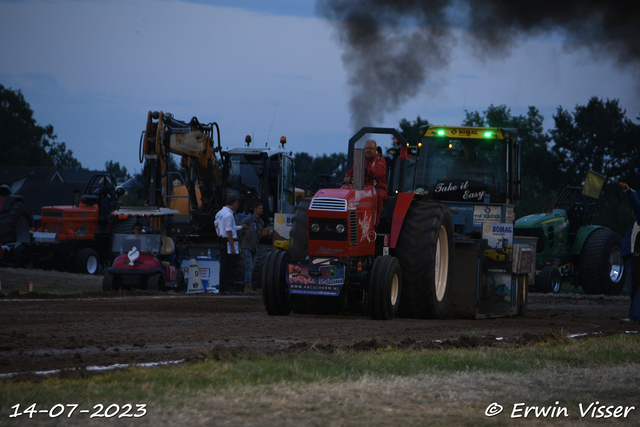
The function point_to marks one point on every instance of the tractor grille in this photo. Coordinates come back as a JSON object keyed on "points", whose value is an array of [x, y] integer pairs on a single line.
{"points": [[51, 214], [353, 227], [328, 204]]}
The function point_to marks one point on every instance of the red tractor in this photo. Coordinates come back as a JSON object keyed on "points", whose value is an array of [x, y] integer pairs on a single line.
{"points": [[339, 259], [145, 259]]}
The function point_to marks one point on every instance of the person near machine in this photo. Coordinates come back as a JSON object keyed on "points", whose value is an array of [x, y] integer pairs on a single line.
{"points": [[467, 166], [375, 174], [631, 255], [249, 242], [137, 228], [227, 230]]}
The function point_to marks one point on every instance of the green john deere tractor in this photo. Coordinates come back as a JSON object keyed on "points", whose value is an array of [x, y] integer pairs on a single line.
{"points": [[570, 249]]}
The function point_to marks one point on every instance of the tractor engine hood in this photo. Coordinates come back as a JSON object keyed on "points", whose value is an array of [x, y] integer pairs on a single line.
{"points": [[342, 199]]}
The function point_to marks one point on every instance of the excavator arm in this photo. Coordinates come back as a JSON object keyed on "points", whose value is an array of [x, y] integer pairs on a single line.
{"points": [[193, 141]]}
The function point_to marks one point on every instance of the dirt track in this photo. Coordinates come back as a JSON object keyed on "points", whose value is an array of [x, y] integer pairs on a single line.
{"points": [[43, 332]]}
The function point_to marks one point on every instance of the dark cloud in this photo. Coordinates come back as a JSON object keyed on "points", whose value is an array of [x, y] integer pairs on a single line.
{"points": [[393, 47]]}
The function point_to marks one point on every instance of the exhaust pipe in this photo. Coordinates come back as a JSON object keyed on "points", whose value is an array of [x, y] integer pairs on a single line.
{"points": [[358, 165], [549, 210]]}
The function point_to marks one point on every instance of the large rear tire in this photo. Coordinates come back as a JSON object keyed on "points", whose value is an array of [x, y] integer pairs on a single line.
{"points": [[385, 288], [275, 292], [601, 266], [15, 224], [86, 261], [425, 250]]}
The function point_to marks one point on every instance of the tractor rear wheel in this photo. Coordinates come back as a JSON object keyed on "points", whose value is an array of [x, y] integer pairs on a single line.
{"points": [[385, 287], [601, 266], [87, 261], [15, 224], [550, 280], [275, 292], [425, 250]]}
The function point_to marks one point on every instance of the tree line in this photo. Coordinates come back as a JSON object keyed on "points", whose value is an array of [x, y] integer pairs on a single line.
{"points": [[596, 136]]}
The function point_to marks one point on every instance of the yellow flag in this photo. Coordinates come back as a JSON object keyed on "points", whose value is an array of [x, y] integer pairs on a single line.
{"points": [[593, 184]]}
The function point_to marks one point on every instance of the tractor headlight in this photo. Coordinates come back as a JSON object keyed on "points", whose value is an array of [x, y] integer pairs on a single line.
{"points": [[340, 228], [315, 227]]}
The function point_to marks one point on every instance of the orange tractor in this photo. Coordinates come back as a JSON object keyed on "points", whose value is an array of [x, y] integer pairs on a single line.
{"points": [[75, 238]]}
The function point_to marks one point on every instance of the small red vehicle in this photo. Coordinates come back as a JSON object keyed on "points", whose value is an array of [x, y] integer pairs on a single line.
{"points": [[147, 260]]}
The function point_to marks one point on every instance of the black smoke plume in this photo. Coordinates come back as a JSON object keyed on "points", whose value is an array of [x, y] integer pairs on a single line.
{"points": [[392, 47]]}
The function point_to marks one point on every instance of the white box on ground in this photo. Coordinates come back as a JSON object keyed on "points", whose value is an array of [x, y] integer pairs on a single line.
{"points": [[208, 270]]}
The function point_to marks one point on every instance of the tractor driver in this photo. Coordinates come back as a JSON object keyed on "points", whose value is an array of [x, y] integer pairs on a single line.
{"points": [[137, 228], [467, 166], [375, 168]]}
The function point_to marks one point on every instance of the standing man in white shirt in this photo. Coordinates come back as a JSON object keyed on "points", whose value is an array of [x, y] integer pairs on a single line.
{"points": [[227, 230]]}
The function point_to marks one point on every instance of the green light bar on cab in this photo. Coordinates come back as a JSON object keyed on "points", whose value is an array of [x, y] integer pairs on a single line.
{"points": [[463, 132]]}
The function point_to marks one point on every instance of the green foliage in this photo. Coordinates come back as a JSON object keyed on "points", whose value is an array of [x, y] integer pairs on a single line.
{"points": [[120, 173], [307, 167], [599, 137], [25, 143], [137, 185], [409, 130]]}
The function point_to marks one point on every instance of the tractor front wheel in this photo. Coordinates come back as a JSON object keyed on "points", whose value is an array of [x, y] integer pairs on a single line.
{"points": [[87, 261], [275, 292], [550, 280], [385, 287]]}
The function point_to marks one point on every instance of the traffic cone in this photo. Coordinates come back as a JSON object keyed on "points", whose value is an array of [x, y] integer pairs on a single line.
{"points": [[195, 281]]}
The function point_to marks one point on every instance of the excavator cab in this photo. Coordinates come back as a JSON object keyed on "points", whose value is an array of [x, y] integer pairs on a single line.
{"points": [[260, 175]]}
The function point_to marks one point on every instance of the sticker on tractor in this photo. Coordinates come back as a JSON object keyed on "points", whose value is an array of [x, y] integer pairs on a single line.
{"points": [[483, 213], [81, 231], [365, 227], [315, 279]]}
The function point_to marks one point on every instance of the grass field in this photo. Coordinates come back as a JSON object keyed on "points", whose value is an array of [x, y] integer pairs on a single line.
{"points": [[557, 382]]}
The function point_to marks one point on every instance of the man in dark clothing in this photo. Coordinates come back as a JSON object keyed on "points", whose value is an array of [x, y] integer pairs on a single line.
{"points": [[249, 242], [227, 230], [375, 168], [631, 254]]}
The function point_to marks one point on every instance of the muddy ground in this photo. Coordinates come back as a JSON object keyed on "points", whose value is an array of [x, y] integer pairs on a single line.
{"points": [[40, 331]]}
